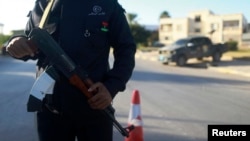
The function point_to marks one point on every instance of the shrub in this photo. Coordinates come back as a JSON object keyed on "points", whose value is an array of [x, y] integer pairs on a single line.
{"points": [[232, 45]]}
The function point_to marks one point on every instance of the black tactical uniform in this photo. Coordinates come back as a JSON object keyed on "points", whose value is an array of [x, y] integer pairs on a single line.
{"points": [[86, 30]]}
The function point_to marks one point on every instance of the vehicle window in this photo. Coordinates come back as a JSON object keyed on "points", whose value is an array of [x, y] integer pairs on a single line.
{"points": [[201, 41], [181, 42], [207, 41], [194, 41]]}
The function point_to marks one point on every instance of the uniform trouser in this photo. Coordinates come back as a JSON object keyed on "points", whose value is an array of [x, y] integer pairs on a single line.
{"points": [[60, 127]]}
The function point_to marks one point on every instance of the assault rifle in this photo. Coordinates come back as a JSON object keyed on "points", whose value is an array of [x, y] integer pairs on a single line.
{"points": [[76, 75]]}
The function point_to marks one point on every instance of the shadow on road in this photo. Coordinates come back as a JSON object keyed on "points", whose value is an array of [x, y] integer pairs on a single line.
{"points": [[224, 63], [178, 78], [153, 135]]}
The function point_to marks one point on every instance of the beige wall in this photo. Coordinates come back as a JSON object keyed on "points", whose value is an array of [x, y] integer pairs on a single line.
{"points": [[173, 29]]}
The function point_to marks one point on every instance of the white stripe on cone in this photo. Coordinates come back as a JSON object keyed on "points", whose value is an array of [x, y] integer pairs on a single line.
{"points": [[135, 115]]}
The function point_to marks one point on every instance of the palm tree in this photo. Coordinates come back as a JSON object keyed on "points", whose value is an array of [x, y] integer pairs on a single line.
{"points": [[131, 18]]}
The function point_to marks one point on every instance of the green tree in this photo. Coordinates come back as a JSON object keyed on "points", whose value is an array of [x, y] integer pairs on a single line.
{"points": [[140, 34], [3, 39], [131, 18], [165, 14], [154, 36]]}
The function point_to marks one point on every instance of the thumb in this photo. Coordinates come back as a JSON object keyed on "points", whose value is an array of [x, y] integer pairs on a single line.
{"points": [[94, 87]]}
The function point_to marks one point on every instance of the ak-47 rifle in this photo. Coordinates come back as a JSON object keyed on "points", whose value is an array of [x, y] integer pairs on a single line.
{"points": [[76, 75]]}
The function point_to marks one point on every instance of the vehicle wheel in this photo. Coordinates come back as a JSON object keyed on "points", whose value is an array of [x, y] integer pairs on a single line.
{"points": [[216, 56], [181, 60], [165, 63], [199, 58]]}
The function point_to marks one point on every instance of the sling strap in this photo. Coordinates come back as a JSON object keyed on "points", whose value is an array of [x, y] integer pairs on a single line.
{"points": [[46, 13]]}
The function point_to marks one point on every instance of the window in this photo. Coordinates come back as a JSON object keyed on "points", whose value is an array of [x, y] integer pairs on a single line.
{"points": [[197, 30], [231, 24], [197, 18], [168, 38], [166, 27], [207, 41], [181, 42], [214, 26], [194, 41]]}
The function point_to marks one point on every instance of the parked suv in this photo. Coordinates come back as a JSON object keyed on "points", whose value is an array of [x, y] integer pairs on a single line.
{"points": [[191, 47]]}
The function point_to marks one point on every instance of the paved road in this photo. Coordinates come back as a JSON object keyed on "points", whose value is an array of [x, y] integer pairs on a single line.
{"points": [[16, 79], [177, 103]]}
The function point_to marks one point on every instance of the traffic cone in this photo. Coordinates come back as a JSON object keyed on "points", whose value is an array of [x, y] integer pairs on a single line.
{"points": [[135, 118]]}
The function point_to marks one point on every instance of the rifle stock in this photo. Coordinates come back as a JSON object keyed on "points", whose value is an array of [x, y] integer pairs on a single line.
{"points": [[76, 76]]}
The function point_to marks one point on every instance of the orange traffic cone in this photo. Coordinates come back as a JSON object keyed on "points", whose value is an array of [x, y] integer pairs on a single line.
{"points": [[135, 118]]}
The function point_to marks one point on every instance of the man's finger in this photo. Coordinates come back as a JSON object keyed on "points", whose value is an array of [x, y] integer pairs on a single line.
{"points": [[95, 86], [97, 102]]}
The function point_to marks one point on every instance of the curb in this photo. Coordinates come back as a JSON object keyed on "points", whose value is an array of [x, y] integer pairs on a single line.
{"points": [[229, 71], [146, 57]]}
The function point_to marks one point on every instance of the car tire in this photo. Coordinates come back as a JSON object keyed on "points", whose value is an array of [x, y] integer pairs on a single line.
{"points": [[200, 58], [165, 63], [181, 60], [216, 56]]}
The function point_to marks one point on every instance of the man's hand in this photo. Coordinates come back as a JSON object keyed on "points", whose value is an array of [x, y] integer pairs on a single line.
{"points": [[18, 47], [102, 98]]}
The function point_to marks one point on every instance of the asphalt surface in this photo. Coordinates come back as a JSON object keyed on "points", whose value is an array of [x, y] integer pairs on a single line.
{"points": [[227, 64], [161, 119]]}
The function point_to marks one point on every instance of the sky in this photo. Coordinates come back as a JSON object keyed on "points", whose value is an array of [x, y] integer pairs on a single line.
{"points": [[13, 13]]}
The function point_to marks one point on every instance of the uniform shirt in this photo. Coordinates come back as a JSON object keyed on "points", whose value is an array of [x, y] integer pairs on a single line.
{"points": [[86, 30]]}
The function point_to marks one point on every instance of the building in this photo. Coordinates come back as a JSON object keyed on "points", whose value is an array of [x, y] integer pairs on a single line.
{"points": [[1, 28], [17, 32], [246, 40], [220, 28]]}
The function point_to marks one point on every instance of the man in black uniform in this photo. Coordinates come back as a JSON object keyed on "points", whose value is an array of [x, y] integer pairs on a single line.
{"points": [[85, 30]]}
